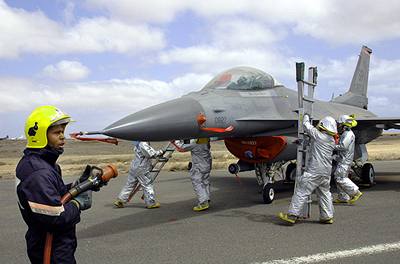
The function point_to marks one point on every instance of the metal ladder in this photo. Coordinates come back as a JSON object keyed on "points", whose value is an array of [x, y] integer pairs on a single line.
{"points": [[156, 167], [305, 104]]}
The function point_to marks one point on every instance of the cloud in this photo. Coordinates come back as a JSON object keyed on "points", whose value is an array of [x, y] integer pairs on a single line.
{"points": [[66, 71], [123, 94], [334, 21], [240, 33], [68, 13], [137, 11], [33, 32], [16, 94], [93, 104], [215, 59], [124, 30]]}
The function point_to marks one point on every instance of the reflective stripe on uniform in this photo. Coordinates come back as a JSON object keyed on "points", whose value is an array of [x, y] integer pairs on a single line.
{"points": [[17, 182], [46, 209]]}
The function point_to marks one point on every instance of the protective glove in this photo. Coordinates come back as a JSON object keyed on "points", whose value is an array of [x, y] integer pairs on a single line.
{"points": [[159, 153], [85, 175], [306, 118], [83, 200], [94, 171]]}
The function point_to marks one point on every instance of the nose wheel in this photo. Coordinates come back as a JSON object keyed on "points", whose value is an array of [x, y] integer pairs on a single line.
{"points": [[268, 193]]}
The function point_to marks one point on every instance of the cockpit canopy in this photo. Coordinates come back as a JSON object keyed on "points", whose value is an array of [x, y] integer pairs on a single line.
{"points": [[242, 78]]}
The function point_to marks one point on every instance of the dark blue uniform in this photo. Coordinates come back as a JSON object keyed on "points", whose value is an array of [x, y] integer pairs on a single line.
{"points": [[39, 190]]}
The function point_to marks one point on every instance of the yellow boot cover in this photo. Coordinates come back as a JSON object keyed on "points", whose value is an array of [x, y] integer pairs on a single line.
{"points": [[155, 205], [355, 197], [326, 221], [201, 207], [338, 201], [118, 203], [287, 218]]}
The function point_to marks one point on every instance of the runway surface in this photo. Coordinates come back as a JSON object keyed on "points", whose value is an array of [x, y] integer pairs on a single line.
{"points": [[238, 228]]}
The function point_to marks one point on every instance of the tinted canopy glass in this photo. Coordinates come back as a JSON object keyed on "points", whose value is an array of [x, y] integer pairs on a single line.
{"points": [[242, 78]]}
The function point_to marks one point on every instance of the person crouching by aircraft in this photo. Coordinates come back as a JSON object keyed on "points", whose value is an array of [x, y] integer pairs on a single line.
{"points": [[348, 192], [200, 170], [139, 173], [317, 174], [40, 188]]}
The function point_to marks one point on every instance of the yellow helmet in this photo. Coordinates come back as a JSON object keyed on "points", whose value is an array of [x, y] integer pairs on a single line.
{"points": [[347, 120], [39, 121]]}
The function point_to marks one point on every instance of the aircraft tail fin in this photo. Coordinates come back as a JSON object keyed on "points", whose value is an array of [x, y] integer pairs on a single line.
{"points": [[357, 94]]}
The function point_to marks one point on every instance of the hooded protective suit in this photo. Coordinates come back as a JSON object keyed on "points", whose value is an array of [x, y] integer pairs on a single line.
{"points": [[344, 159], [140, 172], [318, 172], [201, 167]]}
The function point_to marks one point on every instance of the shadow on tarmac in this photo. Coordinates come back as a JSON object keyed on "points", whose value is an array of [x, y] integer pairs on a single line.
{"points": [[230, 195]]}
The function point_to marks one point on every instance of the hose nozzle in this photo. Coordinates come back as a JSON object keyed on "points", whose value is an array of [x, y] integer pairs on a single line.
{"points": [[98, 178], [109, 172]]}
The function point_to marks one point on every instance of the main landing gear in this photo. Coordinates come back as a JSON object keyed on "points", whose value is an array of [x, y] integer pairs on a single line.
{"points": [[365, 173], [266, 181], [266, 175]]}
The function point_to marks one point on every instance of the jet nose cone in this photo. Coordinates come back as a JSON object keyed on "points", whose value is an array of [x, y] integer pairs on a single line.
{"points": [[174, 119]]}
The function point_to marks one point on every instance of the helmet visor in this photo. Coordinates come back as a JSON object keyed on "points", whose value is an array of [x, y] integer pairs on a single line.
{"points": [[62, 121]]}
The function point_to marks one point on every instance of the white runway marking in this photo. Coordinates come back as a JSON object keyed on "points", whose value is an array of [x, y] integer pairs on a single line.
{"points": [[369, 250]]}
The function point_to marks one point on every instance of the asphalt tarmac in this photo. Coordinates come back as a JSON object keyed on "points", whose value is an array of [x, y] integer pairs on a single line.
{"points": [[238, 228]]}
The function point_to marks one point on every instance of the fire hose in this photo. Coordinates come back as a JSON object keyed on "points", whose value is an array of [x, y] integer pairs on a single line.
{"points": [[98, 178]]}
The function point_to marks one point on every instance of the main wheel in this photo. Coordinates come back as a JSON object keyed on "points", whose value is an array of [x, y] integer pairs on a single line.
{"points": [[268, 193], [290, 173], [368, 174]]}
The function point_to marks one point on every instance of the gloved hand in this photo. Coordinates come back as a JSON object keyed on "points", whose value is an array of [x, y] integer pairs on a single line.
{"points": [[85, 175], [306, 118], [83, 200], [88, 172], [159, 153]]}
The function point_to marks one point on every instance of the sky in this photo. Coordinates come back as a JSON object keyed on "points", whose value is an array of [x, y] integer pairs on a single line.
{"points": [[100, 60]]}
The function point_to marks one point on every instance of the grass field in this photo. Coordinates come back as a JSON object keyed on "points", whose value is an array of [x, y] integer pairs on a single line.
{"points": [[77, 154]]}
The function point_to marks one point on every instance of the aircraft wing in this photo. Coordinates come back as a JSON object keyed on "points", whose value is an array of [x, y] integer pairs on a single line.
{"points": [[363, 122], [260, 118], [379, 122]]}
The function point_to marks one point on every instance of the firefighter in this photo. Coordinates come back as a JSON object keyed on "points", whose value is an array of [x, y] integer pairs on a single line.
{"points": [[139, 172], [40, 187], [348, 192], [200, 170], [317, 174]]}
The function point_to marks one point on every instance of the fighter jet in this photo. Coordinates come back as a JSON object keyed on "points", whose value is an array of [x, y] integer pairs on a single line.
{"points": [[257, 119]]}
